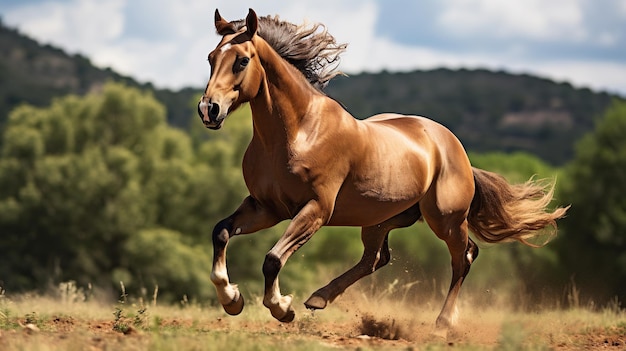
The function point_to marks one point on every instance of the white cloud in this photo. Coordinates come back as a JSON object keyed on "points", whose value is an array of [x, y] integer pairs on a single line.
{"points": [[80, 25], [598, 75], [96, 29], [178, 58], [532, 19]]}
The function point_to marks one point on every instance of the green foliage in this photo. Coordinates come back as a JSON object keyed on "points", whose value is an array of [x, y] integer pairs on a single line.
{"points": [[101, 184], [516, 167], [120, 324], [161, 257], [594, 246]]}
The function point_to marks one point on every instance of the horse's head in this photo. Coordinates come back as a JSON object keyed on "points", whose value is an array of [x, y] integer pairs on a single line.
{"points": [[236, 72]]}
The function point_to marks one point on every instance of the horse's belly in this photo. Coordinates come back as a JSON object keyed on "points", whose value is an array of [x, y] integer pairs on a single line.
{"points": [[366, 214], [361, 209], [375, 195]]}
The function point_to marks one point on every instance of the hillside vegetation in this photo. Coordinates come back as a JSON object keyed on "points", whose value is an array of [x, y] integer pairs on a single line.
{"points": [[489, 111]]}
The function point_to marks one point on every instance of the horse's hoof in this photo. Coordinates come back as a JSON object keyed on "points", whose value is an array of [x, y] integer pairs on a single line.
{"points": [[289, 316], [236, 306], [315, 302]]}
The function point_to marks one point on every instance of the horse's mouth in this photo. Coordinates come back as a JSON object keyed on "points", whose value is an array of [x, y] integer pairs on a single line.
{"points": [[214, 125]]}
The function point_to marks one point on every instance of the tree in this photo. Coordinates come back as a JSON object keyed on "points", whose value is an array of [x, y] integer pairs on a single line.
{"points": [[99, 188], [593, 248]]}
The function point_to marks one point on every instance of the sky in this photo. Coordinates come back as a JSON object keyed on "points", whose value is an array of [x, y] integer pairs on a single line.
{"points": [[166, 42]]}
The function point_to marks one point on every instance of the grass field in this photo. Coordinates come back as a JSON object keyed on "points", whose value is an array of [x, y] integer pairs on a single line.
{"points": [[353, 322]]}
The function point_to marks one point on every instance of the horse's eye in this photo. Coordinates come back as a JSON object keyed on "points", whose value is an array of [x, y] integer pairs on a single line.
{"points": [[244, 61]]}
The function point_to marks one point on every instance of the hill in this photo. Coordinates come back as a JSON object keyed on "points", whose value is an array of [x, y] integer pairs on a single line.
{"points": [[488, 110], [35, 74]]}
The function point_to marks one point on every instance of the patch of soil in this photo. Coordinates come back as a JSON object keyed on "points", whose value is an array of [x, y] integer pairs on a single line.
{"points": [[62, 324], [360, 330], [386, 329], [612, 338]]}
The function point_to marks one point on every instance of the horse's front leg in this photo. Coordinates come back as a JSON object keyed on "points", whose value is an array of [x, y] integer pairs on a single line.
{"points": [[300, 230], [248, 218]]}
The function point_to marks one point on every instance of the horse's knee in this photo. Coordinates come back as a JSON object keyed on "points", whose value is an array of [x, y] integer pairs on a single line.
{"points": [[221, 233], [271, 266]]}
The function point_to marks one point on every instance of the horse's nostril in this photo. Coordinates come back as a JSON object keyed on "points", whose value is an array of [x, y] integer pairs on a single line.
{"points": [[214, 111]]}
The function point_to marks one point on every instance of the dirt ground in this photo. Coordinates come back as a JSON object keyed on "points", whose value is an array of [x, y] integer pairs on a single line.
{"points": [[344, 327]]}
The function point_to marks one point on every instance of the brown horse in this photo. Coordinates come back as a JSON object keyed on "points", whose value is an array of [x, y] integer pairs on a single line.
{"points": [[312, 162]]}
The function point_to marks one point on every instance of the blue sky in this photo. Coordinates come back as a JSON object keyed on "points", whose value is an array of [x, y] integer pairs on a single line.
{"points": [[166, 42]]}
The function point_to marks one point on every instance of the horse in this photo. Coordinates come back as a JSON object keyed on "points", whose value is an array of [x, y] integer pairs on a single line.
{"points": [[310, 161]]}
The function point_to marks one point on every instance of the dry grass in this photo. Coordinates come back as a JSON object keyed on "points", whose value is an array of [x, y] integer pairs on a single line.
{"points": [[383, 320]]}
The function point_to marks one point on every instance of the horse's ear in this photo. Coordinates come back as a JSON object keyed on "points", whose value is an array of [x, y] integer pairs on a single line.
{"points": [[252, 23], [222, 26]]}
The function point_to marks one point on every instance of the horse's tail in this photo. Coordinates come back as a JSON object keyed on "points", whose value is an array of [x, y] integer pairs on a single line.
{"points": [[504, 212]]}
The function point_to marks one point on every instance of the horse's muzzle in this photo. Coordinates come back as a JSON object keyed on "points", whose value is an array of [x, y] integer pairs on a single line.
{"points": [[210, 115]]}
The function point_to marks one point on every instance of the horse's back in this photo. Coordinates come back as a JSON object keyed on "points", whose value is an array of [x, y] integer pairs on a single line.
{"points": [[422, 131]]}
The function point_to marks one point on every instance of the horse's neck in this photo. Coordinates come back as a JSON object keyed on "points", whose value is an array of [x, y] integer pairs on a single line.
{"points": [[283, 103]]}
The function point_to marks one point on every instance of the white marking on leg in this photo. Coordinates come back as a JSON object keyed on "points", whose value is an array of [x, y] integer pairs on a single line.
{"points": [[274, 296], [226, 292], [228, 295], [278, 304]]}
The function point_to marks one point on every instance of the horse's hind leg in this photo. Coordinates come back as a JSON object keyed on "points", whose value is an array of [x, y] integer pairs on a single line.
{"points": [[375, 255], [452, 228], [373, 239], [462, 258]]}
